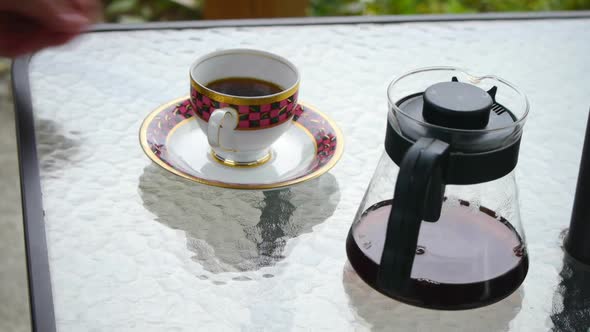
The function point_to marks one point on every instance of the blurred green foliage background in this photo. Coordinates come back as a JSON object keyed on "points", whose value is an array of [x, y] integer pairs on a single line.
{"points": [[164, 10], [151, 10], [381, 7]]}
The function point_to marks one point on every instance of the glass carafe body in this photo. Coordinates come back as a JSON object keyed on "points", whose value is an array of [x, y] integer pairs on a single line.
{"points": [[474, 255], [456, 242]]}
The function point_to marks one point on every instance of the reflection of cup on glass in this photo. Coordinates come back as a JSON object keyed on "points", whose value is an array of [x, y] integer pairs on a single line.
{"points": [[244, 101], [240, 230]]}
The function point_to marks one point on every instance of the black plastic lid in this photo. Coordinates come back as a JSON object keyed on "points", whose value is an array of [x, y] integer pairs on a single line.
{"points": [[446, 107], [457, 105], [465, 117]]}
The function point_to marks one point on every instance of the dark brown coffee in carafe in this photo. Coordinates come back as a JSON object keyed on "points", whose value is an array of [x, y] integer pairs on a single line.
{"points": [[468, 258], [244, 87]]}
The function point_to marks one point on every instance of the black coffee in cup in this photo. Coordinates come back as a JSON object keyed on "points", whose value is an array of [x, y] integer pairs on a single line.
{"points": [[244, 87]]}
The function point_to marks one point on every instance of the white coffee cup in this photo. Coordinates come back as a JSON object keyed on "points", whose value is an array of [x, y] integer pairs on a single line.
{"points": [[240, 129]]}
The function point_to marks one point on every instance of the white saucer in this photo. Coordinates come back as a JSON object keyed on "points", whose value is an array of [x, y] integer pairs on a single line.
{"points": [[171, 137]]}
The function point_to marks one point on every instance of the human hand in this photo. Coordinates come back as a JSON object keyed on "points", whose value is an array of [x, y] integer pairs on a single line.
{"points": [[30, 25]]}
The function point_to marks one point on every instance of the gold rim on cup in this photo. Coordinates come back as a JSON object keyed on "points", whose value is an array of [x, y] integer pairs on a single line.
{"points": [[234, 100]]}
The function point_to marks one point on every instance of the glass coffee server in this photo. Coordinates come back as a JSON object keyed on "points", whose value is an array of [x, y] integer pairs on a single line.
{"points": [[439, 225]]}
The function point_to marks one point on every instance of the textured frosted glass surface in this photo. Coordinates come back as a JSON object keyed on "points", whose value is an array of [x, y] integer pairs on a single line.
{"points": [[132, 247]]}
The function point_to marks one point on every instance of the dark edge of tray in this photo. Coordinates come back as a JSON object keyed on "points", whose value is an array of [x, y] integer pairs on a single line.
{"points": [[40, 294]]}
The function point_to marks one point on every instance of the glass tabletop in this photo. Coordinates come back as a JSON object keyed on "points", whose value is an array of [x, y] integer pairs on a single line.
{"points": [[133, 247]]}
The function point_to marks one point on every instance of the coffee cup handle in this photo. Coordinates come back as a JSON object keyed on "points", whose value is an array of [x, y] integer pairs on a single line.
{"points": [[226, 117]]}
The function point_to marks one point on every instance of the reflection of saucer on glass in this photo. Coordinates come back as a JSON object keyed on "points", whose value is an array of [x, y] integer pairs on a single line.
{"points": [[172, 138]]}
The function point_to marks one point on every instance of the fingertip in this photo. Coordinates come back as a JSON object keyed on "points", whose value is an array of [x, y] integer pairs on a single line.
{"points": [[70, 22], [20, 35], [33, 43]]}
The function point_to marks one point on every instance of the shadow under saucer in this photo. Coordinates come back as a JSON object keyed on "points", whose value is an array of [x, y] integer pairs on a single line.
{"points": [[382, 313], [237, 230]]}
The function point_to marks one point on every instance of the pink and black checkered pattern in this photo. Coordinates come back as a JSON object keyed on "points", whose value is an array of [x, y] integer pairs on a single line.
{"points": [[251, 116]]}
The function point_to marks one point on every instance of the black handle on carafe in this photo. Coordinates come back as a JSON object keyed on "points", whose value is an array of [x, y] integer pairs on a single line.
{"points": [[577, 243], [418, 196]]}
